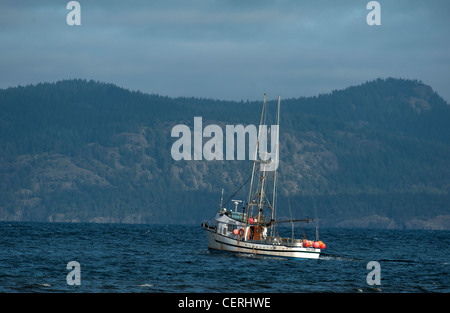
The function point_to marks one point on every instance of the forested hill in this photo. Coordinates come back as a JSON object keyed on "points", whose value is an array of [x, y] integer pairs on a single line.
{"points": [[373, 155]]}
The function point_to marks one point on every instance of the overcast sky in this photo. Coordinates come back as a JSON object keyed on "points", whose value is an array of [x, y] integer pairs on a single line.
{"points": [[226, 49]]}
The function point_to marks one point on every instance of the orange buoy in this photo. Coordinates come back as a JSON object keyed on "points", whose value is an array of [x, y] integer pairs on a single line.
{"points": [[316, 244], [306, 243], [236, 231], [321, 245]]}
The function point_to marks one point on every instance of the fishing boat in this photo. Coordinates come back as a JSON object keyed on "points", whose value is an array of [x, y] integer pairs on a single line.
{"points": [[253, 229]]}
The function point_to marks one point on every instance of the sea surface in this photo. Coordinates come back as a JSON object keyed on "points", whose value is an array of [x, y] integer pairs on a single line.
{"points": [[174, 259]]}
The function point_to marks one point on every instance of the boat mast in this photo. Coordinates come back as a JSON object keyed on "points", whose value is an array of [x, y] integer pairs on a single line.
{"points": [[261, 194], [249, 202], [274, 202]]}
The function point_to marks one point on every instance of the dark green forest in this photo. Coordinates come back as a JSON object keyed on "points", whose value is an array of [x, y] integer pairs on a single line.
{"points": [[373, 155]]}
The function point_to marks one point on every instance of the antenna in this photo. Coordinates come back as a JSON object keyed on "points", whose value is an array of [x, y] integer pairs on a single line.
{"points": [[221, 200], [236, 203]]}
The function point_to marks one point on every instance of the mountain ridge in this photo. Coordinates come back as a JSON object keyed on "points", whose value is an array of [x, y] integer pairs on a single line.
{"points": [[373, 155]]}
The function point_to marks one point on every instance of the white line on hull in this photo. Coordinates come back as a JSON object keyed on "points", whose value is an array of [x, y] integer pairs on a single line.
{"points": [[224, 243]]}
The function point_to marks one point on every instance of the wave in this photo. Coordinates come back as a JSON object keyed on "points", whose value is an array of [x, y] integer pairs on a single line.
{"points": [[335, 257]]}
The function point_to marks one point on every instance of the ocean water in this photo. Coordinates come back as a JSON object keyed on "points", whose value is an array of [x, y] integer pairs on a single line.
{"points": [[174, 259]]}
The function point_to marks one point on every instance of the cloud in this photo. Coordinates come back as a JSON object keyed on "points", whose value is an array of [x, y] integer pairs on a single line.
{"points": [[225, 49]]}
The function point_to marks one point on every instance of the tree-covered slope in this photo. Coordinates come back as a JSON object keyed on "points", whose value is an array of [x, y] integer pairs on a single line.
{"points": [[374, 155]]}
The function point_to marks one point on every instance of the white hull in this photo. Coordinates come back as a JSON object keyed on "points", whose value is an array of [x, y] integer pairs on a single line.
{"points": [[220, 242]]}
